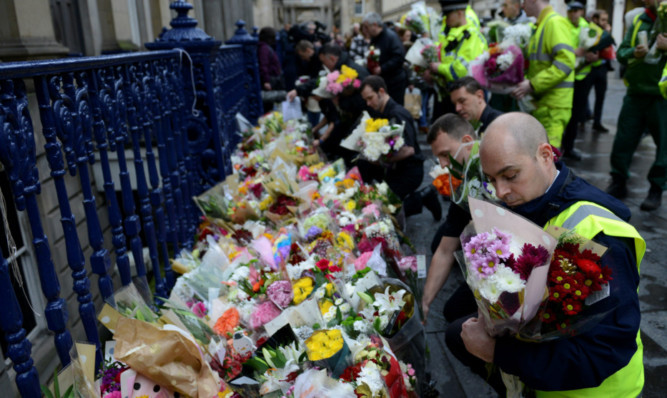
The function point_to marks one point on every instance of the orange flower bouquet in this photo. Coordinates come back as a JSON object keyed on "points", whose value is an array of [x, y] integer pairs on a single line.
{"points": [[444, 181]]}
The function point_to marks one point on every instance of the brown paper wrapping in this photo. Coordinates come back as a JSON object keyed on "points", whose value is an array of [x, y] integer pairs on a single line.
{"points": [[166, 357]]}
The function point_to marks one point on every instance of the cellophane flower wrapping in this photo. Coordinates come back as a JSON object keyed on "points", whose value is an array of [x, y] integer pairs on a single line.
{"points": [[250, 280], [499, 69], [578, 286], [414, 19], [444, 181], [505, 261], [375, 139]]}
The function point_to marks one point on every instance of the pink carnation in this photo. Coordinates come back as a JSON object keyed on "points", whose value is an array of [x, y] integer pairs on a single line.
{"points": [[371, 209], [265, 312], [408, 263], [281, 293], [356, 83]]}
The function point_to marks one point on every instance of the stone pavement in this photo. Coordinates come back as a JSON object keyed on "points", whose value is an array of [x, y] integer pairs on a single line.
{"points": [[453, 380]]}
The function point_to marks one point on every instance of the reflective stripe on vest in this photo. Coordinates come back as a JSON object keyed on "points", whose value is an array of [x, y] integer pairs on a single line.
{"points": [[589, 219], [561, 46], [562, 67], [635, 30], [539, 43], [564, 85]]}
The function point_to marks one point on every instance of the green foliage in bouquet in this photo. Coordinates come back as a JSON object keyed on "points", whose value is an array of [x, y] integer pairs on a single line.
{"points": [[69, 393]]}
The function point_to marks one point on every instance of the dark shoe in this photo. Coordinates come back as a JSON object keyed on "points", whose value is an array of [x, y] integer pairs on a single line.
{"points": [[432, 203], [618, 188], [653, 200], [572, 155], [600, 128]]}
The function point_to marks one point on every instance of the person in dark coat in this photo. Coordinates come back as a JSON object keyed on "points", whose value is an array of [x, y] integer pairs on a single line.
{"points": [[349, 102], [392, 55], [404, 172], [270, 73]]}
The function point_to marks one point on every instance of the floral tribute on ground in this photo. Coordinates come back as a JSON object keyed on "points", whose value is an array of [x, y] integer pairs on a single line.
{"points": [[294, 288]]}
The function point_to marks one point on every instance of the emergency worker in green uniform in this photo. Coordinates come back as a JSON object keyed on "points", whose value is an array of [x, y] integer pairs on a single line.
{"points": [[550, 75], [643, 107]]}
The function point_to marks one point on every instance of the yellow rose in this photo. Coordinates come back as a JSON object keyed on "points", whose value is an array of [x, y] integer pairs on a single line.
{"points": [[302, 289], [325, 306], [324, 344]]}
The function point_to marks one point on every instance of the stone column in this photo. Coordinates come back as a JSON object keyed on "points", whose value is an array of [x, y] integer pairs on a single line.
{"points": [[345, 12], [263, 14], [90, 25], [26, 31], [617, 20]]}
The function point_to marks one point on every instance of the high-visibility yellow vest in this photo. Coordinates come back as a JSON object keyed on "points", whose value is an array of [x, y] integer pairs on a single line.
{"points": [[663, 82], [551, 55], [589, 219], [459, 46]]}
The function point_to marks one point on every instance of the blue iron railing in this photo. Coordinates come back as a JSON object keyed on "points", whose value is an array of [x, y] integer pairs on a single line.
{"points": [[173, 109]]}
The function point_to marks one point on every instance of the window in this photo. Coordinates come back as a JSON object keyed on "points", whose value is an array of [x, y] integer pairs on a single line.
{"points": [[358, 7], [30, 294]]}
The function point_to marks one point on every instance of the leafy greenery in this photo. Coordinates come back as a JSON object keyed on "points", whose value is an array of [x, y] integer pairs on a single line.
{"points": [[69, 393]]}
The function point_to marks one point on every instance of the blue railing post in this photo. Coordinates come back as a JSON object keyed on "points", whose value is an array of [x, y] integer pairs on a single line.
{"points": [[46, 90], [135, 119], [252, 84], [11, 322], [17, 154], [202, 127]]}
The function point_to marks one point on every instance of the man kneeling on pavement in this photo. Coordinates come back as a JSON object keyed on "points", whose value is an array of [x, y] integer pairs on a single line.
{"points": [[606, 360]]}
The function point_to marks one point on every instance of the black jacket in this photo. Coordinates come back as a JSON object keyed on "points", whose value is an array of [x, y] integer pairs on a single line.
{"points": [[392, 56]]}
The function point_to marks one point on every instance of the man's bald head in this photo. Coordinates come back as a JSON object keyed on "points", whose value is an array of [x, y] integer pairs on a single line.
{"points": [[522, 129], [517, 158]]}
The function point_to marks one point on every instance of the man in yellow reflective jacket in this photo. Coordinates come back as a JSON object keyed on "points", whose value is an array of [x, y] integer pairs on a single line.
{"points": [[550, 75], [605, 359], [461, 42]]}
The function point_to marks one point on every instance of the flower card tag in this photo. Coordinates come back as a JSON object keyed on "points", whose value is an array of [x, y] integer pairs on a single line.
{"points": [[243, 344], [597, 296], [421, 266]]}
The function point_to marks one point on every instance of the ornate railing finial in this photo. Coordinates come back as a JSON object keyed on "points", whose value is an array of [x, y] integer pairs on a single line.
{"points": [[184, 32], [241, 35]]}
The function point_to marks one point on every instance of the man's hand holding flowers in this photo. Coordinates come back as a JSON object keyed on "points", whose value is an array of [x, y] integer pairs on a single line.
{"points": [[477, 340], [522, 89]]}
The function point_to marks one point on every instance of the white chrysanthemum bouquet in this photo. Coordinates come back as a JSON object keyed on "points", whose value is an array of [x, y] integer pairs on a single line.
{"points": [[375, 139]]}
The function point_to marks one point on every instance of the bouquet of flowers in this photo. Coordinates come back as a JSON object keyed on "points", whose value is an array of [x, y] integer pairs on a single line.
{"points": [[473, 182], [578, 284], [505, 262], [444, 181], [422, 53], [336, 82], [518, 35], [414, 21], [372, 58], [499, 69], [375, 139]]}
